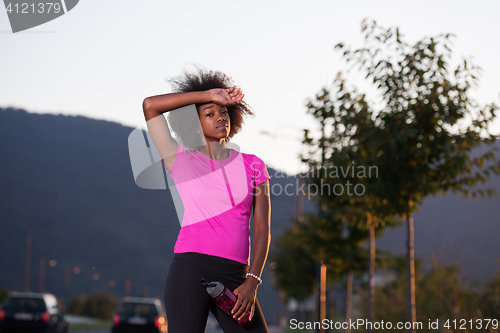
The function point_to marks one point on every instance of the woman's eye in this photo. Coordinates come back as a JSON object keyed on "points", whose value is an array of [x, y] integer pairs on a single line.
{"points": [[225, 111]]}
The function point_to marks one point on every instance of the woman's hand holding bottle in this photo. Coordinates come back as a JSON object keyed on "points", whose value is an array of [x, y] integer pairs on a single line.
{"points": [[246, 293]]}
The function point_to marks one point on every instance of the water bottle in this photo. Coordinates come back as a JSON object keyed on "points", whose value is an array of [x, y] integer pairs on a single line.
{"points": [[223, 297]]}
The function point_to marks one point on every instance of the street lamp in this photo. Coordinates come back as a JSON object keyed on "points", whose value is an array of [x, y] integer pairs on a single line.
{"points": [[27, 259], [41, 275]]}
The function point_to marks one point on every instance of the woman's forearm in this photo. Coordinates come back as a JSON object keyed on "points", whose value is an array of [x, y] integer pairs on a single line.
{"points": [[167, 102], [261, 241], [262, 229]]}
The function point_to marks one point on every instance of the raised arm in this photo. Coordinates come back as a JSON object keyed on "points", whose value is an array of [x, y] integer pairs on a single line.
{"points": [[157, 105], [154, 107]]}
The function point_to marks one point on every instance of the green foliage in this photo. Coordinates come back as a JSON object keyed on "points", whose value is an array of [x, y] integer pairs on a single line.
{"points": [[295, 268], [343, 165], [441, 294], [420, 139], [335, 242], [319, 238], [489, 301], [344, 161], [391, 299], [428, 123], [97, 305]]}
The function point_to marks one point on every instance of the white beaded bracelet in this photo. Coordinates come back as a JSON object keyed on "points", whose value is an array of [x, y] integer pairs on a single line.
{"points": [[255, 276]]}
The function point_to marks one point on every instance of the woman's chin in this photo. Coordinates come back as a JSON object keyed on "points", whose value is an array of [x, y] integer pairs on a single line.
{"points": [[217, 138]]}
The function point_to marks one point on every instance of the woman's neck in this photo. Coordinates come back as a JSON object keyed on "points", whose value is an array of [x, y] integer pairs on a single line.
{"points": [[215, 150]]}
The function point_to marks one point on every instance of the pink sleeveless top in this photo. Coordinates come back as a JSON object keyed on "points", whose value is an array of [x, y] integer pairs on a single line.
{"points": [[217, 199]]}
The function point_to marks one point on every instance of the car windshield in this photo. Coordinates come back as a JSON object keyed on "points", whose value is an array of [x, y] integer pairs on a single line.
{"points": [[24, 303], [143, 309]]}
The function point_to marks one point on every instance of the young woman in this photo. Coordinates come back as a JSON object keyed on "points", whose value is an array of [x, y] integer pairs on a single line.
{"points": [[218, 188]]}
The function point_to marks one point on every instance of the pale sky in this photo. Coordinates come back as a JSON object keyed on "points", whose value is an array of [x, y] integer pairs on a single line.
{"points": [[103, 58]]}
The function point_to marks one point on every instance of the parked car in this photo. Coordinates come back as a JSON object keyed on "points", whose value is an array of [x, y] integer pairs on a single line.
{"points": [[139, 314], [32, 312]]}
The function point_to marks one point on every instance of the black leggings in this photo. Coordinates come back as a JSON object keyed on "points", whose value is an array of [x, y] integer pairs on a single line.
{"points": [[187, 302]]}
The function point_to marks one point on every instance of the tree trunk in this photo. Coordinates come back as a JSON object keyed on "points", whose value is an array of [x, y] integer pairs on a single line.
{"points": [[322, 295], [348, 301], [315, 310], [371, 265], [412, 311], [27, 261]]}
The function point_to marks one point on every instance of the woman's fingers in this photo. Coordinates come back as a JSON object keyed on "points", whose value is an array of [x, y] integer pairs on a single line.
{"points": [[245, 307], [252, 311], [236, 305], [235, 93], [249, 308], [239, 97], [238, 309], [243, 310]]}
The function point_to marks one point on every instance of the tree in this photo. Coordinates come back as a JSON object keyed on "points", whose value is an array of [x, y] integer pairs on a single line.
{"points": [[97, 305], [342, 160], [321, 237], [429, 123]]}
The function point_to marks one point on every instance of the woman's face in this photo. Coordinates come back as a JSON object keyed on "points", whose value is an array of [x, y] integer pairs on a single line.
{"points": [[215, 121]]}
